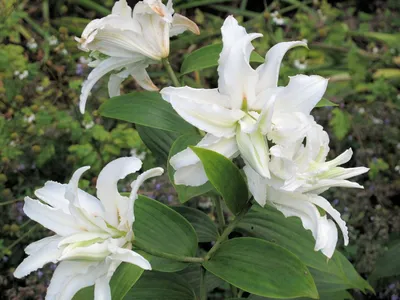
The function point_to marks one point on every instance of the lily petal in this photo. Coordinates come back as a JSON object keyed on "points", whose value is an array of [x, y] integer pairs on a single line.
{"points": [[107, 190], [72, 276], [269, 71], [325, 205], [197, 110], [49, 252], [180, 24], [237, 79], [53, 194], [301, 94], [257, 185], [141, 76], [114, 83], [122, 8], [189, 170], [52, 218], [193, 175], [36, 246], [254, 150], [102, 289], [104, 67], [129, 256]]}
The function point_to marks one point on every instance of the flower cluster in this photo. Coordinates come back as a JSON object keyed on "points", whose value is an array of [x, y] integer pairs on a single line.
{"points": [[271, 129], [92, 236]]}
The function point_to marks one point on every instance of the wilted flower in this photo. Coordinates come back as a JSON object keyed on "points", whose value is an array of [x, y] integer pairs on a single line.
{"points": [[129, 41], [247, 109], [93, 236]]}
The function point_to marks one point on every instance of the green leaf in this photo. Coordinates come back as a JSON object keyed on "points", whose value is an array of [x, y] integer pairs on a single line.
{"points": [[159, 227], [158, 141], [147, 109], [161, 286], [339, 295], [330, 275], [192, 275], [202, 224], [207, 57], [325, 102], [162, 264], [121, 282], [262, 268], [225, 177], [185, 193], [388, 265]]}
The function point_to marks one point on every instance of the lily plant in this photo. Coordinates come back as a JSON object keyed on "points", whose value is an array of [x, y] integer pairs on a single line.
{"points": [[282, 169], [93, 236]]}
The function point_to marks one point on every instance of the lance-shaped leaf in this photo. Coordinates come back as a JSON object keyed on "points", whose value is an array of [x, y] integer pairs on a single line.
{"points": [[262, 268], [336, 274], [225, 177], [145, 108]]}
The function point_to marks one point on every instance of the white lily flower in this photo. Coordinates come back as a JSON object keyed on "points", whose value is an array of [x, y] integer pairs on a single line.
{"points": [[298, 174], [130, 41], [92, 236], [246, 109]]}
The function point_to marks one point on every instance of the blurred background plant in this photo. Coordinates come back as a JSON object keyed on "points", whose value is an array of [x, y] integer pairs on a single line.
{"points": [[43, 136]]}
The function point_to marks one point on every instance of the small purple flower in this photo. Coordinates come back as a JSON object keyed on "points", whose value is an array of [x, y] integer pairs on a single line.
{"points": [[158, 186], [5, 259], [335, 202], [170, 198], [39, 274], [394, 297]]}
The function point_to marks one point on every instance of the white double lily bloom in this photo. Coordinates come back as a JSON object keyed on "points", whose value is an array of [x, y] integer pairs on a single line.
{"points": [[128, 41], [299, 173], [92, 236], [247, 109]]}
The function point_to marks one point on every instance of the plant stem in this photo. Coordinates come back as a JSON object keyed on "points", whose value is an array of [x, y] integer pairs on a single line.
{"points": [[168, 255], [170, 72], [233, 291], [33, 228], [227, 231], [240, 294], [220, 213], [10, 202], [203, 290]]}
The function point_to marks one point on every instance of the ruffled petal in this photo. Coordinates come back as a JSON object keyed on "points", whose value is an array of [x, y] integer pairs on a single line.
{"points": [[107, 189], [180, 24], [122, 8], [104, 67], [141, 76], [269, 71], [301, 94], [36, 246], [325, 205], [48, 252], [114, 83], [237, 79], [195, 109], [53, 194], [72, 276], [52, 218], [129, 256]]}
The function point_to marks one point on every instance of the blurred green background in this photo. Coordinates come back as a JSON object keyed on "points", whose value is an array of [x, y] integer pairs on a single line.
{"points": [[43, 136]]}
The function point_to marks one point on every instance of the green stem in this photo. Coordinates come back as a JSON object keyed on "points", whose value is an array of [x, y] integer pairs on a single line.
{"points": [[240, 294], [227, 231], [170, 72], [203, 290], [168, 255], [33, 228], [10, 202], [220, 213]]}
